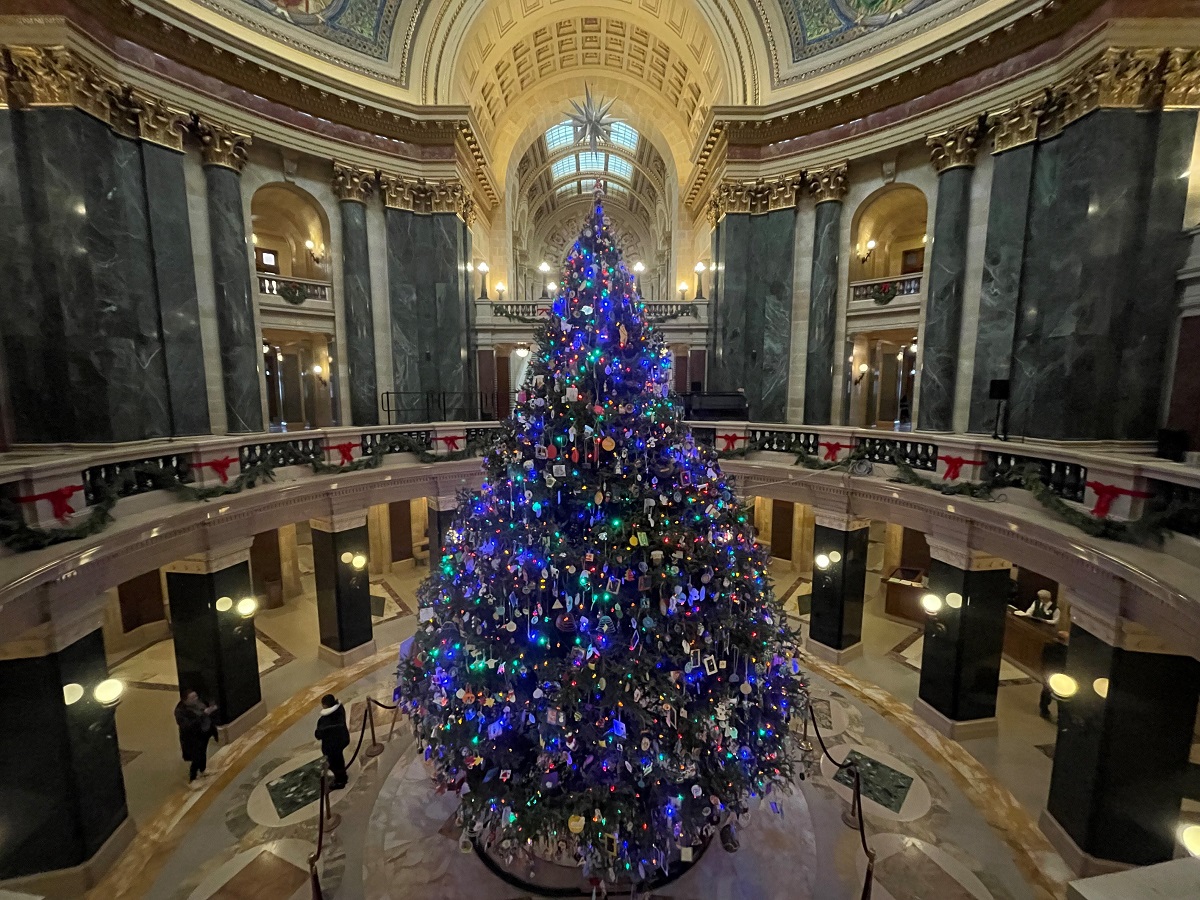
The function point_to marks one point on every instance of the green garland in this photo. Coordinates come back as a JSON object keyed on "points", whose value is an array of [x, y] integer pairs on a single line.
{"points": [[19, 536], [883, 294], [293, 292], [500, 309]]}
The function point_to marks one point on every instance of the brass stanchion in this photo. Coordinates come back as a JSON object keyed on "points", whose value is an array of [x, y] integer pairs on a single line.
{"points": [[374, 748], [331, 819]]}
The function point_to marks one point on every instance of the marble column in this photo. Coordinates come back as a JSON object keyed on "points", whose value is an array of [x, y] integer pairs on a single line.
{"points": [[753, 303], [953, 154], [963, 642], [100, 341], [1003, 263], [353, 188], [1098, 283], [224, 156], [215, 646], [61, 787], [839, 584], [1121, 764], [430, 299], [341, 550], [828, 187], [442, 511]]}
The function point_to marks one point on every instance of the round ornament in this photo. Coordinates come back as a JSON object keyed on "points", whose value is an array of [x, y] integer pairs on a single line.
{"points": [[575, 824], [609, 444]]}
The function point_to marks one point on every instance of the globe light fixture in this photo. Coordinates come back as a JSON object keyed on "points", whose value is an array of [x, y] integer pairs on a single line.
{"points": [[224, 604], [359, 561], [522, 350], [683, 286], [246, 607], [1063, 686], [931, 603], [954, 600], [108, 692], [543, 267], [639, 267], [500, 289], [1100, 686], [835, 557], [821, 561], [346, 557], [72, 693], [1189, 837]]}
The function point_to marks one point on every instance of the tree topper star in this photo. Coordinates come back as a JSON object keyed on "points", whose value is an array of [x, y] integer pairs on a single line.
{"points": [[591, 121]]}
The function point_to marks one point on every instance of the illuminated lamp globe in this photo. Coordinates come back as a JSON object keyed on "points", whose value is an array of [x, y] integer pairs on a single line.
{"points": [[954, 600], [821, 561], [108, 692], [1189, 837], [931, 603], [1063, 686], [346, 557], [246, 607], [359, 561], [72, 693], [1100, 686], [224, 604], [835, 557]]}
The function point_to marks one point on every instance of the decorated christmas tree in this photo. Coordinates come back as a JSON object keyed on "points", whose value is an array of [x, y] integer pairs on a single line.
{"points": [[601, 665]]}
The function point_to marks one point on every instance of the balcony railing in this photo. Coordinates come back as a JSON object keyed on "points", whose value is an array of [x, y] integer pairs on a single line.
{"points": [[884, 290], [693, 311], [294, 290]]}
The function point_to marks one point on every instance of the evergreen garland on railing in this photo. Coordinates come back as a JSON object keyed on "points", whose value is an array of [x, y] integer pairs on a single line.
{"points": [[21, 537]]}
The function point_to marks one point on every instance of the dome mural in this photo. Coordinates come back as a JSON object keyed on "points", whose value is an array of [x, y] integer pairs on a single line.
{"points": [[817, 25]]}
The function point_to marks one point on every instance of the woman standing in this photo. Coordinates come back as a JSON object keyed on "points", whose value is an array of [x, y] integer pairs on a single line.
{"points": [[194, 719]]}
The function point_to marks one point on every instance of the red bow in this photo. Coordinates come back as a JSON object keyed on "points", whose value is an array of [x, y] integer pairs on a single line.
{"points": [[451, 441], [346, 449], [731, 440], [1107, 493], [833, 448], [954, 465], [220, 466], [60, 500]]}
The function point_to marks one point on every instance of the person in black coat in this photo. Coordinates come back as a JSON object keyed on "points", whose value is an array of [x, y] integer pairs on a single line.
{"points": [[334, 737], [194, 720]]}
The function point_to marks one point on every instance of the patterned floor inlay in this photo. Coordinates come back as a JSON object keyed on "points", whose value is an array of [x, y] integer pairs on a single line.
{"points": [[909, 650], [294, 790], [386, 603], [880, 782], [153, 668]]}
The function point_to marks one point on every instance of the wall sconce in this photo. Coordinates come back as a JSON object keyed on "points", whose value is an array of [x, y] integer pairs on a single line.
{"points": [[544, 268], [500, 289], [639, 267], [1189, 838], [483, 272], [821, 561], [522, 350], [246, 607], [72, 693], [683, 286], [870, 249], [863, 369], [356, 561], [932, 604], [108, 692], [316, 253], [320, 374], [700, 269], [552, 287]]}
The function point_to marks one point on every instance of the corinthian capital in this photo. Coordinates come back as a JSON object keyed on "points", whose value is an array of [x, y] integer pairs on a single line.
{"points": [[352, 183], [956, 147], [830, 183], [220, 145]]}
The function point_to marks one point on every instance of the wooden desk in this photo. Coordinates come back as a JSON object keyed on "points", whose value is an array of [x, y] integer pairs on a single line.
{"points": [[1024, 638], [902, 599]]}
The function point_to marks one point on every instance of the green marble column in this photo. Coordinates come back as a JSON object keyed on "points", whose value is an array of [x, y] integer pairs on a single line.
{"points": [[353, 188], [828, 187], [954, 158]]}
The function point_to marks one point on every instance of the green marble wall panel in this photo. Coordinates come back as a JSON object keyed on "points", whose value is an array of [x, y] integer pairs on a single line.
{"points": [[360, 325], [822, 314]]}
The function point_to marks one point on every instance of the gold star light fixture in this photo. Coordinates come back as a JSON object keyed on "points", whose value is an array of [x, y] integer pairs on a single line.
{"points": [[591, 121]]}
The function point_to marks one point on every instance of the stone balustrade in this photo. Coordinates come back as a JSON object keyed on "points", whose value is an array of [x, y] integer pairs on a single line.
{"points": [[270, 286], [60, 487], [884, 291]]}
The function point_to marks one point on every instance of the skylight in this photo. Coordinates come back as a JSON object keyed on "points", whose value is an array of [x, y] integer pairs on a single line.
{"points": [[624, 136], [592, 162], [560, 135], [564, 167], [622, 168]]}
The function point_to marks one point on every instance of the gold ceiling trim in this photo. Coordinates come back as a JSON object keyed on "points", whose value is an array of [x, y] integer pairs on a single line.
{"points": [[421, 196]]}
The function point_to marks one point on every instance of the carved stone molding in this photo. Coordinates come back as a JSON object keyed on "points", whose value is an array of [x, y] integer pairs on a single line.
{"points": [[421, 196], [220, 145], [830, 183], [755, 197], [1181, 78], [963, 558], [956, 147], [1020, 123], [352, 183], [158, 122]]}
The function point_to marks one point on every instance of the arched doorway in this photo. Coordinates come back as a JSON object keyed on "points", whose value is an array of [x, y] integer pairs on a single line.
{"points": [[290, 233]]}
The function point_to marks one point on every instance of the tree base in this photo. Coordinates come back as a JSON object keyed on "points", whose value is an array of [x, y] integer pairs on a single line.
{"points": [[554, 880]]}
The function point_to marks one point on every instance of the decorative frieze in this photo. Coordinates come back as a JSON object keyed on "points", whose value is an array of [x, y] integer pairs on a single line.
{"points": [[956, 147], [763, 195], [221, 145], [352, 183], [830, 183], [419, 195]]}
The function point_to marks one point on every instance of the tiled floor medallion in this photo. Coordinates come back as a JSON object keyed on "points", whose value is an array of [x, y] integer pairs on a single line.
{"points": [[154, 667], [891, 790], [288, 794]]}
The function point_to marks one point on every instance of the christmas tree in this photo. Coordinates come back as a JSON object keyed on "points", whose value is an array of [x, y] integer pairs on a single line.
{"points": [[601, 662]]}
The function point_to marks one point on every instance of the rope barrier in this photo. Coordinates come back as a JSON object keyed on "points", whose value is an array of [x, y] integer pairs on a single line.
{"points": [[854, 818]]}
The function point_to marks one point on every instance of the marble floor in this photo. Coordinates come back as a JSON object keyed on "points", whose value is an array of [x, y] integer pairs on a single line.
{"points": [[287, 661]]}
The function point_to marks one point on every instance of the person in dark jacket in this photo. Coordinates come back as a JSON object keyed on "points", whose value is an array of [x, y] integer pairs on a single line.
{"points": [[194, 719], [334, 737]]}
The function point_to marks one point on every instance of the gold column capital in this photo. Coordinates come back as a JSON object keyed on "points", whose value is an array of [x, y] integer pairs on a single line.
{"points": [[221, 145], [1181, 78], [956, 147], [1020, 123], [829, 183], [421, 196], [352, 183], [157, 121], [763, 195]]}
